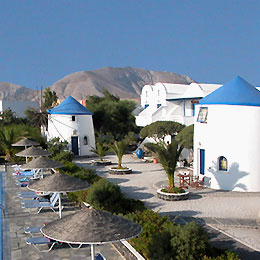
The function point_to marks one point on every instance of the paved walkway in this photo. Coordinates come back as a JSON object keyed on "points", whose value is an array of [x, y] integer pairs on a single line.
{"points": [[230, 217], [14, 238]]}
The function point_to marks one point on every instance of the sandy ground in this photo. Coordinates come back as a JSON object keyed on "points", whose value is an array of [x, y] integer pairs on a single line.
{"points": [[234, 213]]}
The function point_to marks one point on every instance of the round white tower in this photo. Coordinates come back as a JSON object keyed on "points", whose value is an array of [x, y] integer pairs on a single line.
{"points": [[227, 139], [72, 122]]}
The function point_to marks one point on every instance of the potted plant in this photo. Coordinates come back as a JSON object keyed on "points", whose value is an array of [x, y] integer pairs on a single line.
{"points": [[168, 155], [101, 150], [119, 148]]}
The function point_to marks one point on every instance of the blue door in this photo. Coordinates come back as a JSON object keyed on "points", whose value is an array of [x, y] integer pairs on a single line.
{"points": [[75, 145], [202, 161]]}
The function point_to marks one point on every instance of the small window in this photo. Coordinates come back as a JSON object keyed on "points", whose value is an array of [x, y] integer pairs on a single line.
{"points": [[158, 105], [222, 163], [85, 140], [146, 93], [158, 92], [203, 114], [146, 105], [73, 118]]}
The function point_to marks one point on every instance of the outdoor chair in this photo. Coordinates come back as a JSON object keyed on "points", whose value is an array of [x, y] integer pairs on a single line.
{"points": [[40, 205], [32, 230], [33, 195], [99, 256], [40, 241]]}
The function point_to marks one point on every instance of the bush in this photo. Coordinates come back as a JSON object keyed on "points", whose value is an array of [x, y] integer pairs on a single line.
{"points": [[225, 256], [70, 168], [78, 196], [107, 196], [63, 157], [152, 224]]}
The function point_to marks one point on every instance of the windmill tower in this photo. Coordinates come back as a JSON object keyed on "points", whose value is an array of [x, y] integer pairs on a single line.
{"points": [[72, 122], [227, 139]]}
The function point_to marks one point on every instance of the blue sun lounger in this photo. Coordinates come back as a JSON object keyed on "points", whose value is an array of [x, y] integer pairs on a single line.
{"points": [[40, 241], [40, 205]]}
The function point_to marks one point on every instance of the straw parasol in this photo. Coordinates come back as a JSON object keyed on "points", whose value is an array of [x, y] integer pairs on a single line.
{"points": [[91, 226], [42, 163], [26, 142], [33, 152], [59, 182]]}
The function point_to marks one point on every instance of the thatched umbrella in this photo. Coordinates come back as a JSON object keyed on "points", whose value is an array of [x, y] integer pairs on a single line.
{"points": [[33, 152], [91, 226], [42, 163], [59, 182], [26, 142]]}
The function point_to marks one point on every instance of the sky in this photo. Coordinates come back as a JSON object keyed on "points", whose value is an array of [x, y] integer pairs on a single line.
{"points": [[211, 41]]}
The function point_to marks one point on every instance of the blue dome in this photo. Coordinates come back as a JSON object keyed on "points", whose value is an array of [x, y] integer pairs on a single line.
{"points": [[235, 92], [70, 106]]}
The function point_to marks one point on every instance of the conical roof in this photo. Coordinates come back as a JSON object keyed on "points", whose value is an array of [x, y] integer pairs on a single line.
{"points": [[33, 152], [91, 226], [58, 182], [25, 142], [70, 106], [42, 163], [235, 92]]}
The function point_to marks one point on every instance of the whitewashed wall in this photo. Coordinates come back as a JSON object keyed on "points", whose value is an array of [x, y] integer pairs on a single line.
{"points": [[233, 132], [63, 127]]}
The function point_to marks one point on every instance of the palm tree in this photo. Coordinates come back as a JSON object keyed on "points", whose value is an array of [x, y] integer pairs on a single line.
{"points": [[101, 150], [119, 148], [168, 155]]}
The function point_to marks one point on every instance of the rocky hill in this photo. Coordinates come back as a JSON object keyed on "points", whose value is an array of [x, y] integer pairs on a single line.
{"points": [[13, 92], [125, 82]]}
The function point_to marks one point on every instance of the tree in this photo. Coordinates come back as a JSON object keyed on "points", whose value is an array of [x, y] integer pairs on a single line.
{"points": [[168, 155], [160, 129], [50, 99], [119, 148], [112, 115], [101, 150]]}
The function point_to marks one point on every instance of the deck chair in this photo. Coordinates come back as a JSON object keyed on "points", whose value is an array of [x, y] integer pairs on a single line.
{"points": [[99, 256], [33, 195], [40, 205], [36, 200], [39, 241], [32, 230]]}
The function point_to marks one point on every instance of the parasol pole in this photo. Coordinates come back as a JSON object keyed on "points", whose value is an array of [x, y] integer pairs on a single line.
{"points": [[59, 205], [92, 252]]}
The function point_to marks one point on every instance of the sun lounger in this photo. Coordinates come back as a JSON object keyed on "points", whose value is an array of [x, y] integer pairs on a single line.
{"points": [[99, 256], [40, 205], [32, 230], [40, 241], [33, 195]]}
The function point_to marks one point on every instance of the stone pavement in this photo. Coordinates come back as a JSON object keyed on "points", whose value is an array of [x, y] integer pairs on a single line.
{"points": [[14, 238], [229, 217]]}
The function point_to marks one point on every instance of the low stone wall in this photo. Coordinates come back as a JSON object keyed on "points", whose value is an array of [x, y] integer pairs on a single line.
{"points": [[101, 163], [172, 196], [120, 171]]}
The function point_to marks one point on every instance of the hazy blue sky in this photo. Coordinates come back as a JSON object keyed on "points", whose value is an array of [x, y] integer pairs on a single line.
{"points": [[211, 41]]}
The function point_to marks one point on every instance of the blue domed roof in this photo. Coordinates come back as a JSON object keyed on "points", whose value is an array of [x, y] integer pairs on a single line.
{"points": [[70, 106], [235, 92]]}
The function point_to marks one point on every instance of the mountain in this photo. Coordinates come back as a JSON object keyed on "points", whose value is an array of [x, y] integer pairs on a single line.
{"points": [[125, 82], [13, 92]]}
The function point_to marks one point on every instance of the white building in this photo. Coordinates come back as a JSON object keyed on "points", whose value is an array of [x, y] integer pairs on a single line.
{"points": [[173, 102], [72, 122], [17, 106], [227, 139]]}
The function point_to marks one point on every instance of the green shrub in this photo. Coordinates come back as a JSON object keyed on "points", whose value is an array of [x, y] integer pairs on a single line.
{"points": [[107, 196], [63, 157], [70, 167], [78, 196], [88, 175], [152, 224], [225, 256]]}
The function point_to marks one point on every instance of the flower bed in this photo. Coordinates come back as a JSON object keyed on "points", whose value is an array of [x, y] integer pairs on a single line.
{"points": [[124, 170], [172, 196], [101, 163]]}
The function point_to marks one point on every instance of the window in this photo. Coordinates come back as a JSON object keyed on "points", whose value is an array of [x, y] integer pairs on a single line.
{"points": [[146, 105], [158, 92], [158, 105], [222, 163], [203, 114], [146, 93], [73, 118], [85, 140]]}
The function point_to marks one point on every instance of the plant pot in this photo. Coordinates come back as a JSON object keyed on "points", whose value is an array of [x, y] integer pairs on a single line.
{"points": [[155, 160], [120, 171], [98, 162], [172, 196]]}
